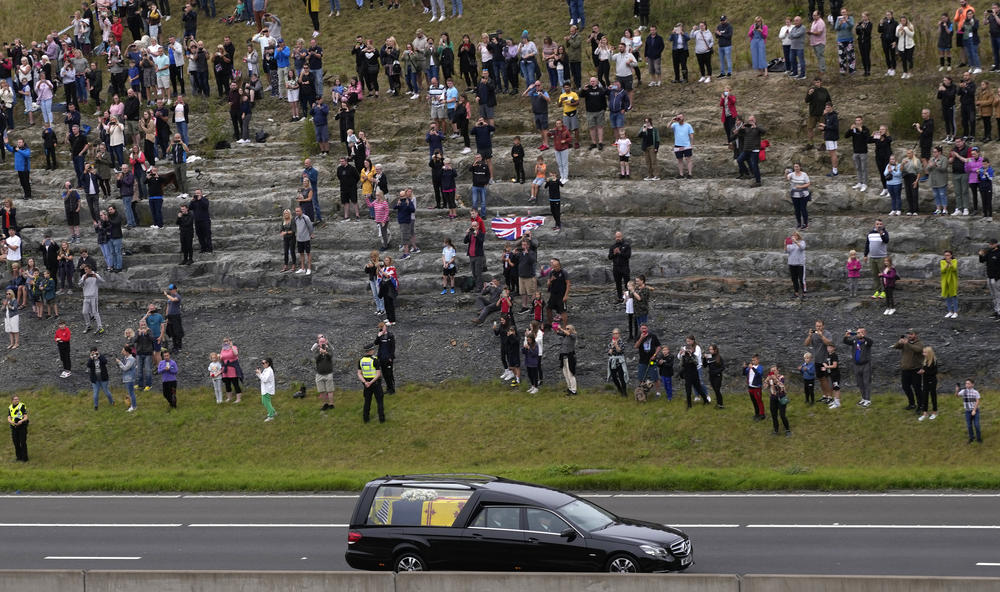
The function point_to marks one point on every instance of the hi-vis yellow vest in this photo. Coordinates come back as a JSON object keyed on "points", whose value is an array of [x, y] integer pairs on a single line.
{"points": [[368, 370]]}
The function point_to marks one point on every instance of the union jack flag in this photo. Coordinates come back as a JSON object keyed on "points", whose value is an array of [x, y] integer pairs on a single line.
{"points": [[513, 228]]}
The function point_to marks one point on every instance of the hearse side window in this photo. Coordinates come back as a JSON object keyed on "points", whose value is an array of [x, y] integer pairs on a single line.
{"points": [[502, 517], [545, 521], [396, 505]]}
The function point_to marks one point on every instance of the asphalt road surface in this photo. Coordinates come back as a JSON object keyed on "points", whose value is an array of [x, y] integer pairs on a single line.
{"points": [[944, 534]]}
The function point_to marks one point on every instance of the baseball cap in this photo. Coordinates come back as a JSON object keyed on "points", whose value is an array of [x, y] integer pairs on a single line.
{"points": [[722, 18], [524, 33], [172, 287]]}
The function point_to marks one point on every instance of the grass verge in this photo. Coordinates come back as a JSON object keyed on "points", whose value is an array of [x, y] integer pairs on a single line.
{"points": [[595, 441]]}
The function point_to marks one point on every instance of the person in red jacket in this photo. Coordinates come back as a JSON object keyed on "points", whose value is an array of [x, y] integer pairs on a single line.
{"points": [[728, 104], [62, 342]]}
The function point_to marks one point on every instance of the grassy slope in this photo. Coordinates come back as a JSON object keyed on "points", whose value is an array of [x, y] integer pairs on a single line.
{"points": [[544, 438], [459, 427]]}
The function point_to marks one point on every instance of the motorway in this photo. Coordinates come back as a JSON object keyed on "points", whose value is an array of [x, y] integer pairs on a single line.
{"points": [[933, 534]]}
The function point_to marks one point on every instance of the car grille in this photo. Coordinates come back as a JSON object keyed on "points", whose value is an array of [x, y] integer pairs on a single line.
{"points": [[681, 548]]}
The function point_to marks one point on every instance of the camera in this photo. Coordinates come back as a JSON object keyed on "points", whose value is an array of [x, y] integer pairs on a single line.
{"points": [[852, 333]]}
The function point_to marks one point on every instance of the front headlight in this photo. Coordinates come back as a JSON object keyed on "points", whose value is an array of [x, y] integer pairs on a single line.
{"points": [[658, 552]]}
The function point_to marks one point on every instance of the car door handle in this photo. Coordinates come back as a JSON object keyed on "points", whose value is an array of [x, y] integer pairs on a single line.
{"points": [[476, 535], [532, 540]]}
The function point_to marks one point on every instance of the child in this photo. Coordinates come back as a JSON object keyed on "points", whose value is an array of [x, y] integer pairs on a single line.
{"points": [[539, 178], [517, 155], [36, 292], [633, 329], [553, 185], [215, 375], [49, 295], [853, 272], [755, 376], [505, 303], [831, 366], [808, 370], [500, 330], [536, 330], [775, 384], [512, 346], [928, 376], [167, 369], [62, 344], [665, 367], [889, 277], [624, 149], [537, 304], [29, 107], [532, 360], [970, 403], [986, 189]]}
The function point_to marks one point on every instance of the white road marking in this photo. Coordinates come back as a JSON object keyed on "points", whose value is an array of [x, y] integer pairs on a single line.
{"points": [[86, 496], [261, 525], [82, 525], [265, 496], [80, 558], [789, 495], [989, 564], [703, 525], [884, 526]]}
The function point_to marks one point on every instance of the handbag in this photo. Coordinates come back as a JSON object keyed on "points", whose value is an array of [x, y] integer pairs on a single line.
{"points": [[783, 399]]}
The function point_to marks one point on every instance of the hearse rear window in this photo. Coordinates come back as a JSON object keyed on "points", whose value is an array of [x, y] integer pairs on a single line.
{"points": [[417, 506]]}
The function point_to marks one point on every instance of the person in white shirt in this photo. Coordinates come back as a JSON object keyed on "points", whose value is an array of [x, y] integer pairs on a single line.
{"points": [[266, 375], [624, 63], [13, 247]]}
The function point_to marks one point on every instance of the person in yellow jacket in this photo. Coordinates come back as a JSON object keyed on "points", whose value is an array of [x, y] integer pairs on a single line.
{"points": [[17, 417], [949, 284], [370, 375]]}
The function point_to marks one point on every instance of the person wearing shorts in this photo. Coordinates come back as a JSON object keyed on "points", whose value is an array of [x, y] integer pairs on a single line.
{"points": [[527, 285], [683, 133], [303, 241], [324, 372], [570, 102], [486, 112], [540, 111]]}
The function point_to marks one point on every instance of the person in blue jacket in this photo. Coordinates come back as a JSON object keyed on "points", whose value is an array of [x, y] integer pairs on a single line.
{"points": [[22, 163]]}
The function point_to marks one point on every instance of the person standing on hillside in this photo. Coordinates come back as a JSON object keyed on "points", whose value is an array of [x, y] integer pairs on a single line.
{"points": [[876, 250], [817, 40], [946, 94], [959, 177], [202, 220], [991, 257], [174, 329], [267, 387], [370, 375], [526, 281], [887, 34], [970, 404], [348, 177], [90, 281], [831, 132], [679, 52], [817, 339], [724, 34], [619, 254], [863, 31], [539, 110], [477, 257], [168, 370], [860, 137], [816, 97], [845, 41], [910, 362], [861, 354], [22, 162], [750, 135], [683, 132], [653, 52], [595, 100]]}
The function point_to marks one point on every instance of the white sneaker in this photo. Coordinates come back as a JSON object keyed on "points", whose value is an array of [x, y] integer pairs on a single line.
{"points": [[921, 418], [891, 72], [892, 311], [466, 150], [708, 79], [885, 312], [433, 18], [653, 83], [940, 68], [300, 270], [571, 21], [954, 315], [956, 212], [834, 405], [309, 271], [965, 212], [863, 188], [441, 20], [856, 185], [130, 410], [932, 416], [414, 96], [532, 390], [883, 193], [702, 79], [655, 179], [977, 71], [708, 399], [267, 419]]}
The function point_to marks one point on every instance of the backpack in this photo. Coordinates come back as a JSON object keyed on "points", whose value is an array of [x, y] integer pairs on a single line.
{"points": [[776, 65]]}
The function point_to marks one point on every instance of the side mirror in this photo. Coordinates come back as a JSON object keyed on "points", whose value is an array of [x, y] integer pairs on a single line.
{"points": [[569, 534]]}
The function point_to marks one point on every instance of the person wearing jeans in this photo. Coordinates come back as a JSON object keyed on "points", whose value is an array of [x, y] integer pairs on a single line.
{"points": [[576, 15], [371, 268], [775, 383], [97, 365], [796, 49], [724, 35], [970, 403], [862, 355]]}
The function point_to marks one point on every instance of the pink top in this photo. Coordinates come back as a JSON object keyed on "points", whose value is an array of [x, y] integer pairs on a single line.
{"points": [[44, 90], [972, 166], [117, 109], [763, 29], [818, 27], [381, 210], [228, 356], [853, 268]]}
